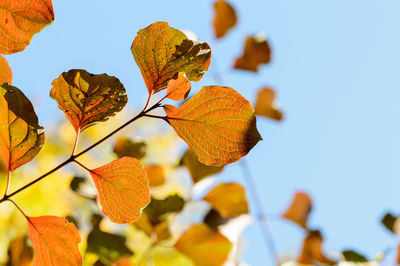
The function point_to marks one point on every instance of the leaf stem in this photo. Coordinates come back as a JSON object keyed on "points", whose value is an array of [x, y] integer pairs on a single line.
{"points": [[8, 183], [76, 142], [82, 165], [20, 210]]}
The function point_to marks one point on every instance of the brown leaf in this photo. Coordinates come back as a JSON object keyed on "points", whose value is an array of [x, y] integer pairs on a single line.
{"points": [[312, 250], [5, 71], [224, 19], [20, 20], [19, 253], [55, 241], [178, 89], [127, 147], [123, 189], [265, 104], [86, 98], [21, 136], [156, 175], [217, 123], [198, 170], [204, 245], [229, 199], [161, 52], [256, 51], [299, 209]]}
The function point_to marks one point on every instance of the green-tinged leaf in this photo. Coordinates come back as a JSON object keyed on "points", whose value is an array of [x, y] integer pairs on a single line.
{"points": [[86, 98], [157, 208], [217, 123], [21, 136], [391, 222], [352, 256], [198, 170], [161, 52], [127, 147]]}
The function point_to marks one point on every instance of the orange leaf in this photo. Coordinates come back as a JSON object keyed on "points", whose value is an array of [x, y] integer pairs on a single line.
{"points": [[55, 241], [299, 209], [19, 253], [123, 189], [217, 123], [312, 250], [398, 254], [161, 52], [86, 98], [20, 20], [229, 199], [204, 245], [265, 104], [21, 136], [256, 52], [198, 170], [178, 89], [5, 71], [225, 18], [156, 175]]}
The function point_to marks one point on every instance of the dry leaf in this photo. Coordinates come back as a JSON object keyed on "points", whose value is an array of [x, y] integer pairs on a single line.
{"points": [[299, 209], [256, 51], [225, 18], [265, 104]]}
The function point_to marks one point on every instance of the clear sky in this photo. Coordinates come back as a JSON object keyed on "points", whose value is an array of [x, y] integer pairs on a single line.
{"points": [[336, 71]]}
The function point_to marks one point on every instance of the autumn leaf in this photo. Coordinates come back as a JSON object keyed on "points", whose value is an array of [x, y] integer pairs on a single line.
{"points": [[352, 256], [256, 51], [266, 106], [217, 123], [5, 71], [20, 20], [224, 19], [391, 222], [312, 250], [214, 219], [156, 175], [161, 52], [398, 254], [86, 98], [158, 207], [123, 189], [55, 241], [21, 136], [178, 89], [127, 147], [19, 253], [299, 209], [198, 170], [204, 245], [229, 199]]}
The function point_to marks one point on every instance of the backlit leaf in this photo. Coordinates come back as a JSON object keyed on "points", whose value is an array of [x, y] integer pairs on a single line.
{"points": [[198, 170], [161, 52], [20, 20], [156, 175], [86, 98], [21, 136], [312, 250], [266, 106], [217, 123], [299, 209], [225, 18], [178, 89], [229, 199], [204, 245], [127, 147], [19, 253], [5, 71], [352, 256], [55, 241], [256, 52], [123, 189]]}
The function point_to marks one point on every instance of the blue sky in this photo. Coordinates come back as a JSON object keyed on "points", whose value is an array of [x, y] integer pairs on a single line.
{"points": [[335, 69]]}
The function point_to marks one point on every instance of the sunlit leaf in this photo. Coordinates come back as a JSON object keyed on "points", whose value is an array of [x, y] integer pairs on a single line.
{"points": [[178, 89], [312, 250], [352, 256], [157, 208], [266, 106], [20, 20], [161, 52], [123, 189], [86, 98], [5, 71], [109, 247], [229, 199], [217, 123], [127, 147], [55, 241], [204, 245], [391, 222], [256, 51], [21, 136], [224, 19], [19, 253], [156, 175], [198, 170], [299, 209]]}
